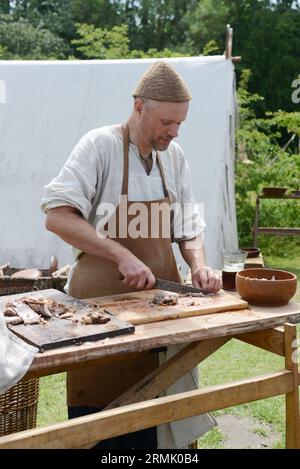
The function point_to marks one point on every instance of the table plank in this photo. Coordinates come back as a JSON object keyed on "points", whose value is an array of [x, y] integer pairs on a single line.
{"points": [[135, 308], [153, 335]]}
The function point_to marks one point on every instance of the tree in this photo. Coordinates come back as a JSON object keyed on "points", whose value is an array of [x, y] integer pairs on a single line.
{"points": [[100, 13], [53, 15], [157, 24], [5, 7], [207, 21], [101, 43], [97, 43], [266, 35], [20, 40]]}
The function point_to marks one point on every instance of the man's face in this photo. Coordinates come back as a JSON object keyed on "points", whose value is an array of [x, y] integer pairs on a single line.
{"points": [[159, 122]]}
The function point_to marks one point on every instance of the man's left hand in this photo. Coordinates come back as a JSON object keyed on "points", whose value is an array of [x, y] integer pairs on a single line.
{"points": [[205, 277]]}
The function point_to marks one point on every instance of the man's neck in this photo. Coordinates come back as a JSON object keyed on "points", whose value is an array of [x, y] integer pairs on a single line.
{"points": [[137, 138]]}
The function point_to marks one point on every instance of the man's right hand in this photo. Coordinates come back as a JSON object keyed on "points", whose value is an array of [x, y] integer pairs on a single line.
{"points": [[136, 274]]}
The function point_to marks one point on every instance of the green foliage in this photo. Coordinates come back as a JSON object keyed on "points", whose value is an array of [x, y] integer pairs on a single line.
{"points": [[207, 21], [3, 53], [263, 162], [266, 35], [20, 40], [157, 24], [98, 43], [286, 120], [211, 48], [100, 13]]}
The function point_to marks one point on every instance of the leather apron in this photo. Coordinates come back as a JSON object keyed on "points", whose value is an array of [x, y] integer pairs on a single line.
{"points": [[100, 384]]}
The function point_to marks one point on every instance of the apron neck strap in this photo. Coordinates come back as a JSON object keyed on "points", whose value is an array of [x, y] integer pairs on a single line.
{"points": [[125, 129], [126, 140], [162, 173]]}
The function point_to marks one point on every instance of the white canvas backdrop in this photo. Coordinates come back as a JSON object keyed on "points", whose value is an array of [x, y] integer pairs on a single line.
{"points": [[50, 105]]}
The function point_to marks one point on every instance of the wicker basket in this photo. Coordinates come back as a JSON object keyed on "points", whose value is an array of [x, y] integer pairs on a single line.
{"points": [[59, 283], [12, 286], [18, 407]]}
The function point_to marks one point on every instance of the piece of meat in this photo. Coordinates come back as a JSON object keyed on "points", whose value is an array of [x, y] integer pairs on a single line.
{"points": [[32, 274], [13, 320], [64, 309], [165, 299], [39, 307], [48, 308], [66, 316], [57, 309], [94, 317], [9, 311], [33, 310], [25, 313]]}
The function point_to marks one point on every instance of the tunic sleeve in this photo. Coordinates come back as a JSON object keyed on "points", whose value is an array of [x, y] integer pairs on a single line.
{"points": [[76, 184]]}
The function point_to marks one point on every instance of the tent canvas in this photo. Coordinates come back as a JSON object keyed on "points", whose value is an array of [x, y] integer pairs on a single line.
{"points": [[49, 105]]}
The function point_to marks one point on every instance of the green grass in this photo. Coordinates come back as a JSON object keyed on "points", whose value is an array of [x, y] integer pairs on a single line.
{"points": [[52, 406], [233, 361], [212, 439]]}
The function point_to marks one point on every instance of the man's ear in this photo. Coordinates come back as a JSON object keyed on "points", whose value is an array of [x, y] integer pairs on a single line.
{"points": [[139, 105]]}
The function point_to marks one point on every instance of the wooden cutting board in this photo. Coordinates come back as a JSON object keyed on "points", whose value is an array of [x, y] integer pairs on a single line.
{"points": [[135, 307], [61, 332]]}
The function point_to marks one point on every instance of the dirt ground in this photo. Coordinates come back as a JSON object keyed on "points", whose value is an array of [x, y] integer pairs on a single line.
{"points": [[246, 433]]}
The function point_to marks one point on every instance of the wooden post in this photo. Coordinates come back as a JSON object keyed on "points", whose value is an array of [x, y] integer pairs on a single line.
{"points": [[229, 37], [228, 46], [255, 227], [292, 398]]}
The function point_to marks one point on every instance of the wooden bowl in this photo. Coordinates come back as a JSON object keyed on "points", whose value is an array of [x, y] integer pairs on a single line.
{"points": [[251, 252], [274, 191], [257, 287]]}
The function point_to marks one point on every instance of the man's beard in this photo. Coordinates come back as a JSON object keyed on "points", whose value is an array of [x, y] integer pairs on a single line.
{"points": [[159, 145]]}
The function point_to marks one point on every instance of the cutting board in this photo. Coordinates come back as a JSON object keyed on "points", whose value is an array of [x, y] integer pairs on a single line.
{"points": [[61, 332], [135, 307]]}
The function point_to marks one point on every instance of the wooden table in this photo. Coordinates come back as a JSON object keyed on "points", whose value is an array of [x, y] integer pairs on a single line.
{"points": [[138, 408]]}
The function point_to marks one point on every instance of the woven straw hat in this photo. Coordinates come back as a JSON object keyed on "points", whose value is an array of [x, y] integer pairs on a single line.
{"points": [[162, 83]]}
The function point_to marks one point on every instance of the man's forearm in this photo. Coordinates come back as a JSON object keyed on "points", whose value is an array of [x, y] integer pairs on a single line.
{"points": [[193, 253], [72, 228]]}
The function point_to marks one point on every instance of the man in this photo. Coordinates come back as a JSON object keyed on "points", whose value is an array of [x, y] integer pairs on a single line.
{"points": [[140, 162]]}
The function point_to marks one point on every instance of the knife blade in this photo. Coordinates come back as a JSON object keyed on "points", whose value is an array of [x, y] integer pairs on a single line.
{"points": [[175, 287]]}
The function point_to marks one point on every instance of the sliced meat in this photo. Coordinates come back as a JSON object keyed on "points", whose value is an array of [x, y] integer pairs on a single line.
{"points": [[66, 316], [9, 311], [165, 299], [38, 306], [94, 317], [13, 320], [64, 309], [47, 308], [25, 313]]}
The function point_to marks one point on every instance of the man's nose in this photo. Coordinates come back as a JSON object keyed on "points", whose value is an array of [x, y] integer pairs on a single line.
{"points": [[173, 131]]}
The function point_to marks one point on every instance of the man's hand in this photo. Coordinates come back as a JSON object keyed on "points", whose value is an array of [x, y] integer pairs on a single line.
{"points": [[205, 277], [136, 274]]}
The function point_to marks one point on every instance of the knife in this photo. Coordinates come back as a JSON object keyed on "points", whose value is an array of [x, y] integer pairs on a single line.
{"points": [[168, 285], [175, 287]]}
